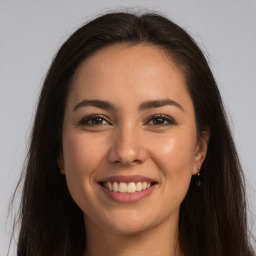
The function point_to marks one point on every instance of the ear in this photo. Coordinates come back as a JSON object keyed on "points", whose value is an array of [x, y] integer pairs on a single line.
{"points": [[201, 151], [60, 163]]}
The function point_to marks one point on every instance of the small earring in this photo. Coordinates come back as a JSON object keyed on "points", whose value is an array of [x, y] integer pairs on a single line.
{"points": [[198, 180]]}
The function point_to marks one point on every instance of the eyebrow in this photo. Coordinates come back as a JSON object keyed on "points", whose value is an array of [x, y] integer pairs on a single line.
{"points": [[95, 103], [159, 103], [144, 106]]}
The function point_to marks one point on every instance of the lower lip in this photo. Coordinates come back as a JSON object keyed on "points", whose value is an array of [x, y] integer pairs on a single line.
{"points": [[128, 197]]}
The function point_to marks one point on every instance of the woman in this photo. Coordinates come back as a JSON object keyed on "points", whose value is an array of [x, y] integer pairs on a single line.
{"points": [[131, 152]]}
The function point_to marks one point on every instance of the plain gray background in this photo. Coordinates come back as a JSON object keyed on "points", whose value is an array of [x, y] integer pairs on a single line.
{"points": [[32, 31]]}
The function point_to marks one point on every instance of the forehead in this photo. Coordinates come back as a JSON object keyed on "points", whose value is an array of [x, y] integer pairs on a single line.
{"points": [[130, 70], [119, 56]]}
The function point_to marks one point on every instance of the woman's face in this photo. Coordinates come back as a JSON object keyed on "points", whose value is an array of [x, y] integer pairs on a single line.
{"points": [[129, 139]]}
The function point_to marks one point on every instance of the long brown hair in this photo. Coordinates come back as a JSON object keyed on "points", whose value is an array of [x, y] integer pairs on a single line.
{"points": [[212, 216]]}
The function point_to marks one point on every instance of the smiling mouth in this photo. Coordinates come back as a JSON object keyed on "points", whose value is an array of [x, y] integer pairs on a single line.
{"points": [[123, 187]]}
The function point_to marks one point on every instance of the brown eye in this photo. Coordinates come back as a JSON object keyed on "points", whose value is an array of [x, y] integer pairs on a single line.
{"points": [[94, 120], [161, 120]]}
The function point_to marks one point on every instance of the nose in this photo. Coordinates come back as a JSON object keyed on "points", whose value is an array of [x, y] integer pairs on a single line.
{"points": [[127, 146]]}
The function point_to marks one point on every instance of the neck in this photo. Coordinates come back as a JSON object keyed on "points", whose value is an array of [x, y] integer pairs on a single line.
{"points": [[161, 240]]}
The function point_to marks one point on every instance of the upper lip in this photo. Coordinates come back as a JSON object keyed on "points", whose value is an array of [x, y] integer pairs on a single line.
{"points": [[127, 179]]}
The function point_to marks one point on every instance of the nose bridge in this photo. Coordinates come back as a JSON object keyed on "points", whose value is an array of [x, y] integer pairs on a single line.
{"points": [[127, 146]]}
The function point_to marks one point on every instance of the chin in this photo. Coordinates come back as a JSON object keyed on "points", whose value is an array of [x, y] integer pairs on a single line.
{"points": [[125, 222], [127, 228]]}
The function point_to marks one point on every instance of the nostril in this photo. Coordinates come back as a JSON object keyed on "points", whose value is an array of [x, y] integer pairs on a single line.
{"points": [[137, 161], [127, 162]]}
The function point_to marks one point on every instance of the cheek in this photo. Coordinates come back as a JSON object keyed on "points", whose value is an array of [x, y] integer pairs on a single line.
{"points": [[175, 161], [174, 158], [81, 155], [174, 154]]}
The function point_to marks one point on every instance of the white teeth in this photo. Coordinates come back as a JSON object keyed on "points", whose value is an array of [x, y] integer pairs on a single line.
{"points": [[109, 186], [130, 187], [122, 187], [115, 186], [139, 186]]}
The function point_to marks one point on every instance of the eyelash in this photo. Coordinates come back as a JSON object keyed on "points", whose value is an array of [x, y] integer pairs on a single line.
{"points": [[85, 121], [167, 121]]}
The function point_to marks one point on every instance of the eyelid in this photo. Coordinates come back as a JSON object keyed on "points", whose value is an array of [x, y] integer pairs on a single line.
{"points": [[90, 117], [170, 120], [85, 120]]}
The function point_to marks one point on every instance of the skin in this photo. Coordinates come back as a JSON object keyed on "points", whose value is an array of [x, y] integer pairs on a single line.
{"points": [[129, 141]]}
